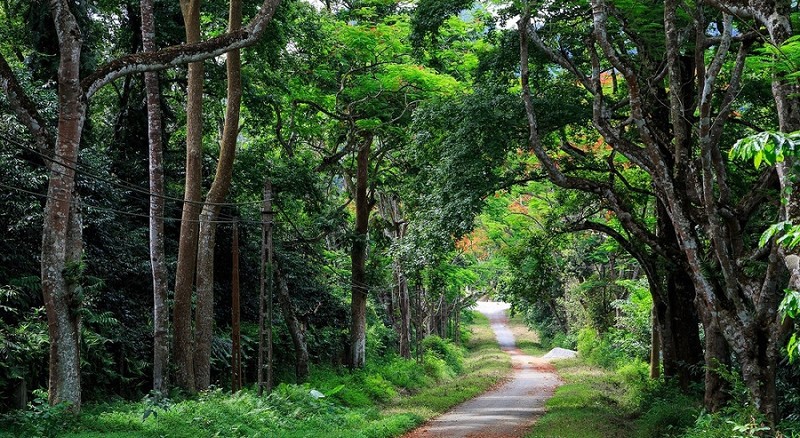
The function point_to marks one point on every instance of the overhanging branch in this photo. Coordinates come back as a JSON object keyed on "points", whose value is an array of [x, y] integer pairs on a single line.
{"points": [[181, 54]]}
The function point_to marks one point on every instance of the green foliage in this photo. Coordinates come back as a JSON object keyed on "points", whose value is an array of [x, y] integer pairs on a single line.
{"points": [[589, 404], [790, 308], [772, 148], [766, 147], [382, 380], [783, 60], [319, 408], [632, 331], [597, 350], [430, 15], [24, 342], [601, 403], [739, 418], [446, 351], [40, 419]]}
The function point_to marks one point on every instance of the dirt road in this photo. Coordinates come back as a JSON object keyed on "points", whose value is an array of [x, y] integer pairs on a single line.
{"points": [[508, 411]]}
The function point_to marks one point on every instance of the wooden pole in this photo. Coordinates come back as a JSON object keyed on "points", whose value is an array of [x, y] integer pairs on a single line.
{"points": [[236, 333], [262, 294], [270, 217]]}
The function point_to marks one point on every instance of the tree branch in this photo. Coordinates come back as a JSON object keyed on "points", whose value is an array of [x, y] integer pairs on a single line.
{"points": [[604, 191], [25, 109], [182, 54]]}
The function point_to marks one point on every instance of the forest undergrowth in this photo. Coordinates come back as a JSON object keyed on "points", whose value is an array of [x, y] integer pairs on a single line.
{"points": [[389, 397], [608, 395]]}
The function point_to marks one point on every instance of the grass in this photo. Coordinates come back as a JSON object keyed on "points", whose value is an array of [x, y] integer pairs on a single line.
{"points": [[484, 366], [590, 404], [385, 400], [528, 341]]}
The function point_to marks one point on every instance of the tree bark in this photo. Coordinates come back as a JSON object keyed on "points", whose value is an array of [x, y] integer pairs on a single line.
{"points": [[264, 271], [293, 324], [405, 317], [187, 242], [655, 346], [358, 256], [717, 358], [683, 333], [156, 227], [204, 317], [389, 208], [744, 306], [61, 245]]}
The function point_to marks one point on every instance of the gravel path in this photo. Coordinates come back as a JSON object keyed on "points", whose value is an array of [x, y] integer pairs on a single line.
{"points": [[507, 411]]}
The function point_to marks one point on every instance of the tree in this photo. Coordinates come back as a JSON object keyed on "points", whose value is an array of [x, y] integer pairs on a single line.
{"points": [[204, 317], [390, 209], [674, 126], [367, 88], [61, 232], [187, 244], [156, 230]]}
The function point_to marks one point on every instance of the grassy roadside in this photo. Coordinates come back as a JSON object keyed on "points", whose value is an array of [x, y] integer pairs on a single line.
{"points": [[384, 400], [590, 404], [485, 365]]}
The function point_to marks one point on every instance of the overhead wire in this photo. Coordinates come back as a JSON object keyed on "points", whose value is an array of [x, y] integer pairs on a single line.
{"points": [[343, 279], [74, 166], [121, 184], [80, 203], [92, 173]]}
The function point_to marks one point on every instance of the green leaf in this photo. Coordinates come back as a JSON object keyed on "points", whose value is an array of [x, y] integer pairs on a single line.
{"points": [[790, 306], [334, 390], [758, 158], [793, 347], [774, 229]]}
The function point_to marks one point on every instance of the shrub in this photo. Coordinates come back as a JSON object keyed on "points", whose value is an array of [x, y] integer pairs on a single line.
{"points": [[635, 376], [666, 418], [597, 350], [379, 388], [379, 338], [405, 373], [41, 419], [445, 350], [434, 366], [562, 340]]}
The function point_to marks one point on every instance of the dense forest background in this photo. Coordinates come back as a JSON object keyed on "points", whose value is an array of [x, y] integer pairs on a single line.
{"points": [[236, 193]]}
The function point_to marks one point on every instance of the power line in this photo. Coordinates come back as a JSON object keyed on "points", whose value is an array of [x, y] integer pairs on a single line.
{"points": [[119, 182], [121, 212]]}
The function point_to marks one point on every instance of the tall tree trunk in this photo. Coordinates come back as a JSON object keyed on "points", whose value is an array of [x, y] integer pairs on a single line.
{"points": [[717, 357], [679, 329], [685, 329], [390, 209], [785, 93], [293, 324], [204, 316], [187, 243], [758, 344], [156, 230], [358, 256], [61, 234], [265, 274], [655, 346], [405, 316]]}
